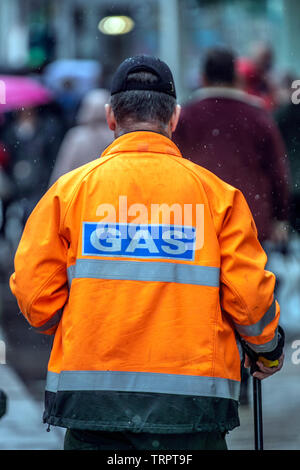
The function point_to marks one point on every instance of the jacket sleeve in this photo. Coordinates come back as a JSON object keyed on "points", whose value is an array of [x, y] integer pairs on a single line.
{"points": [[40, 279], [247, 289]]}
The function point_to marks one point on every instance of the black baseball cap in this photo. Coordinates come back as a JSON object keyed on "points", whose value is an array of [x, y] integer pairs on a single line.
{"points": [[143, 63]]}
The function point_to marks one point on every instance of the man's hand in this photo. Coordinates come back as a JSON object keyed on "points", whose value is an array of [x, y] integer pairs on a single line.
{"points": [[264, 371]]}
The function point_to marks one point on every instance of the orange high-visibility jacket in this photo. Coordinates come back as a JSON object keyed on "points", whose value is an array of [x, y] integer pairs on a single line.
{"points": [[137, 304]]}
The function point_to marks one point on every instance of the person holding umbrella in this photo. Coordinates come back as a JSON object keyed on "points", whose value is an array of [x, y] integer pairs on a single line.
{"points": [[29, 138]]}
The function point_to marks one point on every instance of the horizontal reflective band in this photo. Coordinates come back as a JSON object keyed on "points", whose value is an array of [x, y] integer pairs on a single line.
{"points": [[52, 322], [257, 328], [144, 271], [266, 347], [143, 382]]}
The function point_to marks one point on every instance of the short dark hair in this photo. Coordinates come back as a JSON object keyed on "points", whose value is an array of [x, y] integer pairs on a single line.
{"points": [[219, 66], [142, 105]]}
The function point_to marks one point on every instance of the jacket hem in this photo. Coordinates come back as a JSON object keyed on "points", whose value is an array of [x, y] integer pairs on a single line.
{"points": [[155, 429]]}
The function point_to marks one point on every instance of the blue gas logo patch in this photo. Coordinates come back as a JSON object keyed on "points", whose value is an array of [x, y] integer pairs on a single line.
{"points": [[138, 241]]}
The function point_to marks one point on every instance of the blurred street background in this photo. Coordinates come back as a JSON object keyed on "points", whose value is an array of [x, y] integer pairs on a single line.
{"points": [[57, 58]]}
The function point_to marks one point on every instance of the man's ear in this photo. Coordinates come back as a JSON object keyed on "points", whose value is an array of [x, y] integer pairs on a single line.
{"points": [[175, 117], [110, 117]]}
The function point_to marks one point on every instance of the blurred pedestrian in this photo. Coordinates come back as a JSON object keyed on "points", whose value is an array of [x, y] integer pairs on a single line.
{"points": [[70, 80], [6, 186], [226, 131], [4, 157], [69, 100], [88, 139], [144, 313], [26, 139], [255, 74]]}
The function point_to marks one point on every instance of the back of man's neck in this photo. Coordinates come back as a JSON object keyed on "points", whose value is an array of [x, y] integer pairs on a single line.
{"points": [[142, 126]]}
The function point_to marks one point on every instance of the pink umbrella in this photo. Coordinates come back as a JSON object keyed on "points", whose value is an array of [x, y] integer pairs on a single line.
{"points": [[17, 92]]}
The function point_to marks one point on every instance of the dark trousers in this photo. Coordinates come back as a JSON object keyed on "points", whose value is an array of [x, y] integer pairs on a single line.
{"points": [[102, 440]]}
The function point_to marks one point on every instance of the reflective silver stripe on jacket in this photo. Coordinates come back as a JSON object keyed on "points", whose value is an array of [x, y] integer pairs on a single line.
{"points": [[144, 271], [266, 347], [257, 328], [143, 382]]}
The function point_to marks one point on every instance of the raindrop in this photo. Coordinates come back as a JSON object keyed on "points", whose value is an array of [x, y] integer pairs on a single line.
{"points": [[155, 444], [137, 419]]}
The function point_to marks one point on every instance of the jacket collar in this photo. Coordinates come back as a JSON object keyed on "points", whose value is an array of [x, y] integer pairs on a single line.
{"points": [[142, 141], [229, 93]]}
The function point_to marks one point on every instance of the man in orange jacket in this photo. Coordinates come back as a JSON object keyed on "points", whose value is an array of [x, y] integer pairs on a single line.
{"points": [[145, 266]]}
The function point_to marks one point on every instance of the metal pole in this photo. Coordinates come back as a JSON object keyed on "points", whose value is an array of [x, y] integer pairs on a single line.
{"points": [[258, 420], [257, 398], [170, 39], [290, 57]]}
